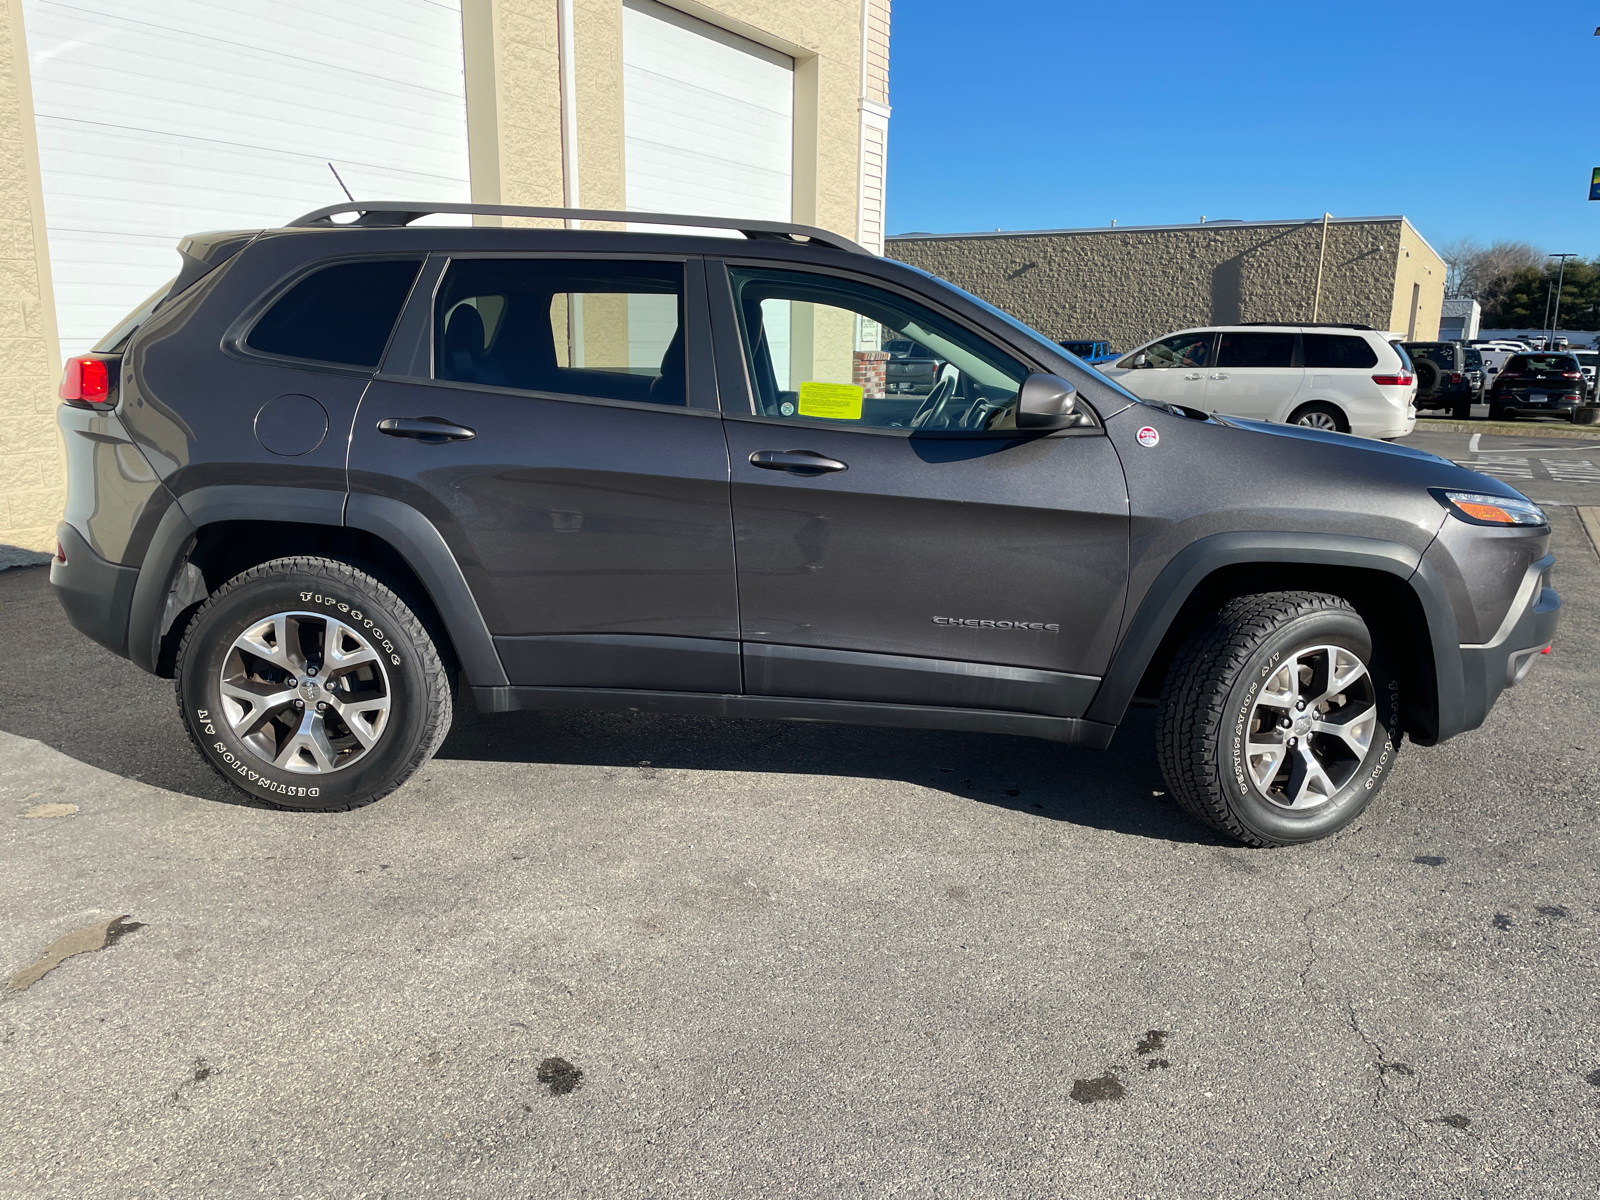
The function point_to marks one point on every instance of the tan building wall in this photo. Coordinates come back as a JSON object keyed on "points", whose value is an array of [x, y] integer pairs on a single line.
{"points": [[1128, 286], [1418, 288], [32, 479], [514, 98]]}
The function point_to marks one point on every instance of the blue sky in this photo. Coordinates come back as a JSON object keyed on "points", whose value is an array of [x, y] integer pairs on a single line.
{"points": [[1033, 114]]}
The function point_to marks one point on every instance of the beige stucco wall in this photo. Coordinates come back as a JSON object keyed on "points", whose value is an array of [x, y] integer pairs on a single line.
{"points": [[32, 478], [514, 98], [1420, 265], [1131, 285]]}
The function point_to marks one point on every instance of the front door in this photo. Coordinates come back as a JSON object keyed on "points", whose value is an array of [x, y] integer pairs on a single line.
{"points": [[1255, 375], [909, 548], [1172, 370], [555, 418]]}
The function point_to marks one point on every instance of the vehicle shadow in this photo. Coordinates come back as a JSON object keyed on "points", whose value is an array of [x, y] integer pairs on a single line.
{"points": [[1119, 790], [59, 688]]}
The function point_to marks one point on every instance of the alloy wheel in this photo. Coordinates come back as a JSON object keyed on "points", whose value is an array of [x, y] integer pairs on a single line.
{"points": [[1319, 420], [305, 692], [1311, 727]]}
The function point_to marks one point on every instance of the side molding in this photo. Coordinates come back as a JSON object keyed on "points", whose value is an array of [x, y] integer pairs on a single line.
{"points": [[1190, 566], [410, 534], [424, 548]]}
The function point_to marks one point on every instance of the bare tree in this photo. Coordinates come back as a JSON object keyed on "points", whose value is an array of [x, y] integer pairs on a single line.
{"points": [[1457, 254], [1483, 273]]}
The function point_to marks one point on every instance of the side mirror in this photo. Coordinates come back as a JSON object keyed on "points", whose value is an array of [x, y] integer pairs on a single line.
{"points": [[1139, 360], [1047, 402]]}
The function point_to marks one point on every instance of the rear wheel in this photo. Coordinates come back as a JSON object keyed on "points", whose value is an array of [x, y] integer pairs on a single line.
{"points": [[1462, 409], [310, 684], [1280, 719], [1318, 415]]}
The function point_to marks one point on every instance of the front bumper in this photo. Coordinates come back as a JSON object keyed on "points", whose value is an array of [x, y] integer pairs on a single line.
{"points": [[1502, 662], [97, 595]]}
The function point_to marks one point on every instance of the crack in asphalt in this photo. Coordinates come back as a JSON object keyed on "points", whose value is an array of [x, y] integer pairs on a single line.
{"points": [[1311, 937]]}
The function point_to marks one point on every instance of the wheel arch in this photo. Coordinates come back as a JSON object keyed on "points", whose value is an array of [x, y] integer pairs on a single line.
{"points": [[1395, 592], [216, 532]]}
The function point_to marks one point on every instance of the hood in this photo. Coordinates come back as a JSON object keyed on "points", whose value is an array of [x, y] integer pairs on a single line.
{"points": [[1319, 435]]}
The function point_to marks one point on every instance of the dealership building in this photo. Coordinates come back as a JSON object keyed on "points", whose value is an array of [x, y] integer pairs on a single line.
{"points": [[1131, 284], [124, 127]]}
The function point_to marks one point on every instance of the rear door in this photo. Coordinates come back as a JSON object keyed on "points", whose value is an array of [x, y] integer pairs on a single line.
{"points": [[1256, 374], [907, 548], [555, 418]]}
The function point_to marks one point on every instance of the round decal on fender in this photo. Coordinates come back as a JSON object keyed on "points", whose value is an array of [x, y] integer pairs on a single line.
{"points": [[1147, 436]]}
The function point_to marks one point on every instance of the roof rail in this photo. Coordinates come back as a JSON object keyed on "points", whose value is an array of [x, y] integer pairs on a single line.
{"points": [[1311, 324], [392, 214]]}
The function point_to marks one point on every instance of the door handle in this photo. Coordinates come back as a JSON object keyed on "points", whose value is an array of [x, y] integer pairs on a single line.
{"points": [[796, 462], [1221, 375], [1194, 376], [433, 430]]}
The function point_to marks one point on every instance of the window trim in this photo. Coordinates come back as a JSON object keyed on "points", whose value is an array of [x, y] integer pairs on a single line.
{"points": [[238, 333], [733, 368], [412, 359]]}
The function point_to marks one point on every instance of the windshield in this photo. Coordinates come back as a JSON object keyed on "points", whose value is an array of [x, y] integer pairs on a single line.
{"points": [[1542, 364], [1439, 356]]}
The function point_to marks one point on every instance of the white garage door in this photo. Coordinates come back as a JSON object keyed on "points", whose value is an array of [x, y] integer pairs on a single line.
{"points": [[709, 118], [170, 117]]}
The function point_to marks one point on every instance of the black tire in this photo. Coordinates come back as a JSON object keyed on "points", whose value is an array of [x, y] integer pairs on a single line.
{"points": [[1462, 409], [401, 688], [1317, 415], [1428, 377], [1217, 688], [1497, 413]]}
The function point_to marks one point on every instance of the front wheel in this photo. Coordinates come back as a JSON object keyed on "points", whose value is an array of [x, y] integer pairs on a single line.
{"points": [[1280, 719], [310, 684]]}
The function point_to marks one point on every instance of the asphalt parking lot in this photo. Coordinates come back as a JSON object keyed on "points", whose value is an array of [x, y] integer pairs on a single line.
{"points": [[792, 959]]}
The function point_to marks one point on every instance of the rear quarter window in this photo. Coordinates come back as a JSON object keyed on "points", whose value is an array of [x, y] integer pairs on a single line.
{"points": [[341, 315], [1331, 351]]}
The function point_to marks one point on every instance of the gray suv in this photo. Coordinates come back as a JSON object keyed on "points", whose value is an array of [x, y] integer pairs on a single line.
{"points": [[336, 478]]}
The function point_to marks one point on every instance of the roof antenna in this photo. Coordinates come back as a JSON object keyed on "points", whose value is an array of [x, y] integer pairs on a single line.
{"points": [[347, 194]]}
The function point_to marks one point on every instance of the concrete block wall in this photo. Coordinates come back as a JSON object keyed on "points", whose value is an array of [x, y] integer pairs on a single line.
{"points": [[1128, 286], [32, 475]]}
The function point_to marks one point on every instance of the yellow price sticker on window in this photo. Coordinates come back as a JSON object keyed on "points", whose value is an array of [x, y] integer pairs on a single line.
{"points": [[833, 401]]}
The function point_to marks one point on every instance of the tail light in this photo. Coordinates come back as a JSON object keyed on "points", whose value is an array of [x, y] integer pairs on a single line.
{"points": [[1455, 376], [1401, 380], [86, 380], [1510, 374], [61, 553], [1572, 374]]}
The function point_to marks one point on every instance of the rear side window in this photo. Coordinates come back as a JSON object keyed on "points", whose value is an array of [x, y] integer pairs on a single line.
{"points": [[1255, 350], [342, 314], [1474, 359], [1327, 351], [604, 330]]}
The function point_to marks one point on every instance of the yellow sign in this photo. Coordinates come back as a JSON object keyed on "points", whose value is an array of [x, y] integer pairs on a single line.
{"points": [[834, 401]]}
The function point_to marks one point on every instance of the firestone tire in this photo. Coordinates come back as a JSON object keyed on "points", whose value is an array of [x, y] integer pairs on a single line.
{"points": [[309, 684], [1235, 749]]}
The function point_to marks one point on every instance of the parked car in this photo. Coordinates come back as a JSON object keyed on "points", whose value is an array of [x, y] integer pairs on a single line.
{"points": [[1475, 373], [1341, 378], [1588, 362], [1443, 377], [364, 470], [912, 369], [1494, 355], [1537, 384], [1093, 353]]}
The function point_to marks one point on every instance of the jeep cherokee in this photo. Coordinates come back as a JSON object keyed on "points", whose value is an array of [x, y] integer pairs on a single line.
{"points": [[338, 475]]}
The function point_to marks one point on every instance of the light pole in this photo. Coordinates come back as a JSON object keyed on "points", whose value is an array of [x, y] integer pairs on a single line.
{"points": [[1555, 320]]}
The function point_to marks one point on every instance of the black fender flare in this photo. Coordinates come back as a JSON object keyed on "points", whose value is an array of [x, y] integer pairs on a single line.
{"points": [[161, 589], [1188, 568]]}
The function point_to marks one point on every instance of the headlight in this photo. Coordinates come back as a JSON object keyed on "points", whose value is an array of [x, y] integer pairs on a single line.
{"points": [[1476, 508]]}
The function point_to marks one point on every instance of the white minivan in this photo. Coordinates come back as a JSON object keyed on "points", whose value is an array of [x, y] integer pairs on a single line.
{"points": [[1343, 378]]}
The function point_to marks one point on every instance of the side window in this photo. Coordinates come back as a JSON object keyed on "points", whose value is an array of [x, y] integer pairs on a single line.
{"points": [[1182, 350], [1327, 351], [342, 314], [1255, 350], [575, 327], [821, 348]]}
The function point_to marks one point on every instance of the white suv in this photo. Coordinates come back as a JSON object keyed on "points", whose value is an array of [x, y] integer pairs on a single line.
{"points": [[1344, 378]]}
